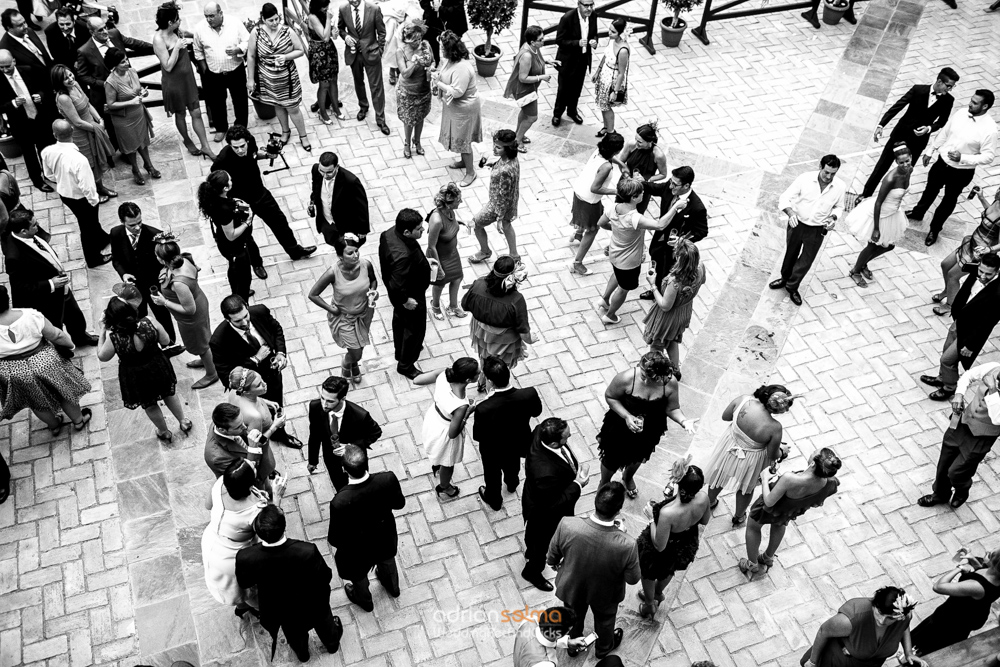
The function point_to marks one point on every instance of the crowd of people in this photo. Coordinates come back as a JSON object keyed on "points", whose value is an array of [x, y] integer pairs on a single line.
{"points": [[159, 311]]}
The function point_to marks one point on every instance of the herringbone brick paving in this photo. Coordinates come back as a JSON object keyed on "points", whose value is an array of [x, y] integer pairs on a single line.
{"points": [[100, 543]]}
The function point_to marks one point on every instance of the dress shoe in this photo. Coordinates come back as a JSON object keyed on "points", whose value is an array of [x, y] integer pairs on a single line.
{"points": [[43, 187], [941, 394], [812, 18], [914, 214], [349, 590], [288, 440], [931, 381], [647, 295], [930, 500], [538, 581], [850, 17], [410, 372], [362, 114], [302, 252], [619, 634], [482, 496], [390, 588], [385, 129], [777, 284], [556, 120], [512, 489], [794, 295], [338, 628], [951, 3], [260, 272], [197, 363], [576, 118], [86, 340], [958, 500], [931, 239]]}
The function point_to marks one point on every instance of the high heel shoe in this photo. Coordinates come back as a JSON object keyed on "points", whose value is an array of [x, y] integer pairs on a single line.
{"points": [[738, 520], [307, 146], [186, 426], [441, 491], [748, 569], [153, 172], [284, 139], [406, 151], [165, 436], [137, 177], [766, 561], [417, 148]]}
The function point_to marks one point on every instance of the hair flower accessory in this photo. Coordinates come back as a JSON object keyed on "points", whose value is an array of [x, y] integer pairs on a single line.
{"points": [[904, 604], [627, 32], [350, 236], [165, 237]]}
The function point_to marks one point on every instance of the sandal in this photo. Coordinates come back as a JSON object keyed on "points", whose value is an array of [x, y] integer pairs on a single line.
{"points": [[406, 151], [165, 436], [456, 311], [80, 425], [153, 172], [941, 310], [57, 429], [186, 426], [137, 178], [866, 273], [748, 568], [417, 148], [765, 560], [308, 147], [480, 257], [579, 268], [938, 298], [738, 520], [857, 278], [522, 149], [436, 312], [632, 492], [103, 199], [602, 132], [440, 491], [525, 140], [284, 139]]}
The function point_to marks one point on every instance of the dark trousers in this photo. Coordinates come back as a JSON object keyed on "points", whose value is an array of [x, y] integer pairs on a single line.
{"points": [[953, 181], [538, 532], [850, 12], [408, 329], [240, 266], [802, 244], [93, 238], [161, 313], [275, 392], [215, 87], [500, 459], [327, 628], [359, 68], [604, 625], [266, 208], [888, 158], [571, 77], [70, 317], [961, 453], [950, 357], [31, 141], [387, 573]]}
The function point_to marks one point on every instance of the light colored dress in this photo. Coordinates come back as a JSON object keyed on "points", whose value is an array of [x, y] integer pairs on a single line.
{"points": [[257, 414], [461, 115], [628, 241], [892, 221], [227, 533], [95, 146], [350, 329], [737, 457], [606, 77], [668, 326], [132, 124], [440, 449]]}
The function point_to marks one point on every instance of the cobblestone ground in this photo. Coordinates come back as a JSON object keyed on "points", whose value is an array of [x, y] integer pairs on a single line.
{"points": [[100, 543]]}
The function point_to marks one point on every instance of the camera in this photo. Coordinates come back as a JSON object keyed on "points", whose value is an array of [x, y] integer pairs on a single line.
{"points": [[273, 149]]}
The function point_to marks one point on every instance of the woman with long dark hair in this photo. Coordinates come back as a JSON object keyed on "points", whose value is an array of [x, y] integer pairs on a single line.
{"points": [[324, 63], [501, 206], [145, 375], [525, 77], [443, 432], [89, 133], [673, 301], [232, 225], [596, 180], [645, 159], [984, 239], [611, 74]]}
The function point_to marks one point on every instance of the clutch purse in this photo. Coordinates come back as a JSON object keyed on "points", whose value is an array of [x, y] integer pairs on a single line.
{"points": [[527, 99]]}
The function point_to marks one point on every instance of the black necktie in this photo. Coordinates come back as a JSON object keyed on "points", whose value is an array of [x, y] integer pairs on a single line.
{"points": [[253, 342], [334, 429], [357, 22]]}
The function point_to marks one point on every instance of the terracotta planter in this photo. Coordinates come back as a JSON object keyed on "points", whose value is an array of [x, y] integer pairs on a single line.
{"points": [[672, 36], [486, 65], [831, 14]]}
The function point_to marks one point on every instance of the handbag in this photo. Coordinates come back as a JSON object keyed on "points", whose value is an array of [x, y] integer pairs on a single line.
{"points": [[527, 99], [622, 95]]}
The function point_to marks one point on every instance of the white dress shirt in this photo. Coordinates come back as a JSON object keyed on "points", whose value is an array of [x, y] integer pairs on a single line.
{"points": [[210, 45], [975, 137], [326, 198], [63, 163], [102, 46], [811, 205], [359, 480], [584, 27], [28, 44], [974, 374], [361, 13]]}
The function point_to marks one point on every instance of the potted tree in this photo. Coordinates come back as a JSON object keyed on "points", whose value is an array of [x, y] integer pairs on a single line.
{"points": [[834, 10], [491, 16], [263, 110], [672, 27]]}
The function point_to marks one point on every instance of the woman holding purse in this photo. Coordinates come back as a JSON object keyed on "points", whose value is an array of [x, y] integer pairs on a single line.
{"points": [[522, 87], [128, 114], [611, 78]]}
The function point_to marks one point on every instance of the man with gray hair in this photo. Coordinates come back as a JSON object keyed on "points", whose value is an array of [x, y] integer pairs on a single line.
{"points": [[68, 168], [220, 48], [27, 103]]}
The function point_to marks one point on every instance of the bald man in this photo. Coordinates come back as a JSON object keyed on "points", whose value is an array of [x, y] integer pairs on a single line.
{"points": [[28, 107], [220, 47], [68, 168]]}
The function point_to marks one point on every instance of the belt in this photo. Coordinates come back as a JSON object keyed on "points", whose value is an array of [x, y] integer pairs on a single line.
{"points": [[27, 353]]}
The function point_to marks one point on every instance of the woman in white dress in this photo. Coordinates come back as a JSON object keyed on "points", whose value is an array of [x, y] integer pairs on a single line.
{"points": [[443, 431], [235, 505], [880, 221]]}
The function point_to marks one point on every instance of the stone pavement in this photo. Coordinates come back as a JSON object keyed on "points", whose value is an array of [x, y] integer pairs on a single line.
{"points": [[100, 542]]}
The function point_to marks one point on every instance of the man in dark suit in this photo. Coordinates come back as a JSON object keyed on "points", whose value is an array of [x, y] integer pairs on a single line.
{"points": [[406, 275], [293, 585], [691, 221], [922, 117], [553, 482], [595, 560], [976, 311], [363, 528], [440, 16], [66, 36], [334, 423], [38, 279], [26, 47], [503, 430], [28, 105], [363, 30], [134, 258], [575, 56], [338, 201], [90, 68], [250, 337], [228, 441]]}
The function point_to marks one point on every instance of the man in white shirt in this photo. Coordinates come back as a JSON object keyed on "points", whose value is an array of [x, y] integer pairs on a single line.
{"points": [[974, 427], [968, 139], [220, 48], [66, 166], [813, 203]]}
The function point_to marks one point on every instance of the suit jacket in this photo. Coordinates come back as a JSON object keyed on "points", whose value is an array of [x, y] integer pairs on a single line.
{"points": [[356, 428], [139, 261], [550, 489], [503, 421], [918, 114], [63, 50], [24, 58], [293, 584], [90, 68], [39, 129], [221, 452], [371, 41], [29, 274], [568, 38], [693, 220], [349, 205], [450, 16], [976, 415], [362, 526], [597, 561], [975, 317], [406, 273], [230, 349]]}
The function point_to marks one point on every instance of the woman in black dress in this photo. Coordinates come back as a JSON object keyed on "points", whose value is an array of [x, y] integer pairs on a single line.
{"points": [[144, 373], [972, 586], [639, 400], [644, 160], [231, 224]]}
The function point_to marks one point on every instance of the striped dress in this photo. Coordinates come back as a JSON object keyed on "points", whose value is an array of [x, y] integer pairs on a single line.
{"points": [[278, 84]]}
